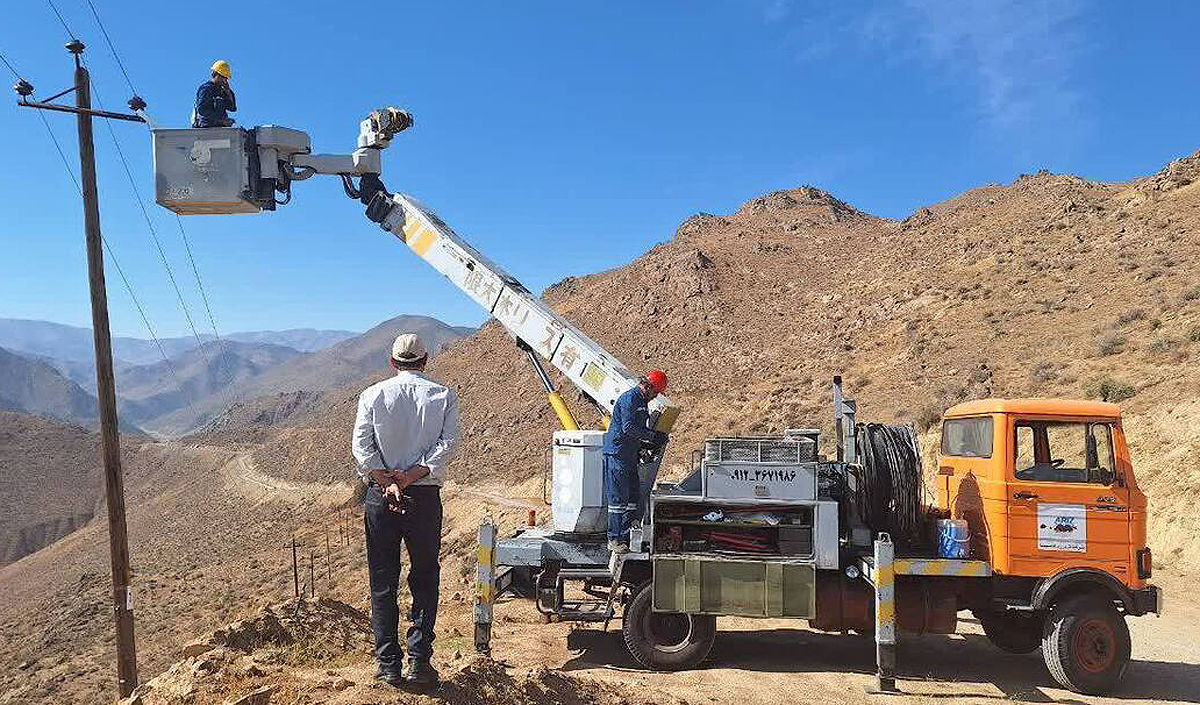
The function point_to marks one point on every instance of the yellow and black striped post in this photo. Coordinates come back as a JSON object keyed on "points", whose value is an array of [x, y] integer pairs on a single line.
{"points": [[485, 587], [885, 613]]}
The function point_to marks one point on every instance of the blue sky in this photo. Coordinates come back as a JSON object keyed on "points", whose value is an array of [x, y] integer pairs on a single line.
{"points": [[564, 138]]}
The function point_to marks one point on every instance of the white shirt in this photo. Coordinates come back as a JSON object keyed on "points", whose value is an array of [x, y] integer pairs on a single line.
{"points": [[404, 421]]}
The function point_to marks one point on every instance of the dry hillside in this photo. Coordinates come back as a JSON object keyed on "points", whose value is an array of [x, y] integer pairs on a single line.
{"points": [[1050, 285], [52, 482]]}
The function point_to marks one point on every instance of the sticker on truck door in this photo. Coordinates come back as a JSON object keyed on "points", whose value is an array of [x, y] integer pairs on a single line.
{"points": [[1062, 527]]}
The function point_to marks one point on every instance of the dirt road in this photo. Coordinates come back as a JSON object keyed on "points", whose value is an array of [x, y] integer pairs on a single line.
{"points": [[776, 661]]}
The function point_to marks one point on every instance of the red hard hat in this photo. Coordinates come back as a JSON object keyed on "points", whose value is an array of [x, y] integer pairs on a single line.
{"points": [[657, 379]]}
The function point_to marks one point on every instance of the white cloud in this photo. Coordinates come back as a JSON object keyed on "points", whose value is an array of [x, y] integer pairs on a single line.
{"points": [[1017, 61], [1021, 57]]}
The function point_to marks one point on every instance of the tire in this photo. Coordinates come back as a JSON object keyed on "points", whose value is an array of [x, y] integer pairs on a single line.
{"points": [[665, 641], [1014, 632], [1086, 644]]}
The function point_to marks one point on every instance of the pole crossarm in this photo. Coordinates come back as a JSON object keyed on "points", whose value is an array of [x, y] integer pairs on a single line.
{"points": [[46, 105]]}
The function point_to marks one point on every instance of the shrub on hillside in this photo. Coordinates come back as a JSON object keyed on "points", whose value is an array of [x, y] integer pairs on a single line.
{"points": [[1108, 389], [1168, 347], [1110, 344], [927, 417], [1192, 294], [1043, 372], [1133, 314]]}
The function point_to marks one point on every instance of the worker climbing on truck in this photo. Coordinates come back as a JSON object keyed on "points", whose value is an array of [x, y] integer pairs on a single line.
{"points": [[628, 432], [215, 99]]}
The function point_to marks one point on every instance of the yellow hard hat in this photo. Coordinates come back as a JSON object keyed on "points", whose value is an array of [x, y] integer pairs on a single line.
{"points": [[222, 67]]}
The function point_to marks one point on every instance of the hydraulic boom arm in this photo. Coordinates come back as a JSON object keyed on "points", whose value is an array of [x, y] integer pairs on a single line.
{"points": [[236, 170], [529, 319]]}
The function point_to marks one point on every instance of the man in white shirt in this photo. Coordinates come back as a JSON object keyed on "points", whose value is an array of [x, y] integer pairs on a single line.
{"points": [[404, 436]]}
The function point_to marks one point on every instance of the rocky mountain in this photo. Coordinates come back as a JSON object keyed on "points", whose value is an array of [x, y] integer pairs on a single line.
{"points": [[298, 390], [1051, 285], [170, 397], [176, 396], [34, 387], [284, 376], [357, 357]]}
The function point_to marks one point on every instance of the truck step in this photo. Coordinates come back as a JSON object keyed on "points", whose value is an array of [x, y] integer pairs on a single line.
{"points": [[583, 611]]}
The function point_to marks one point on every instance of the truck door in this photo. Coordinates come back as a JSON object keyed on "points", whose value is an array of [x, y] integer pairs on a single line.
{"points": [[1065, 508]]}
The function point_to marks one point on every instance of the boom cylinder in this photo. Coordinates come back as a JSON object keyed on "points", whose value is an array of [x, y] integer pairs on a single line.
{"points": [[556, 401]]}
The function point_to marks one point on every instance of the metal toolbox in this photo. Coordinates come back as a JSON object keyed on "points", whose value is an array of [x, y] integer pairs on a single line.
{"points": [[795, 540], [759, 468]]}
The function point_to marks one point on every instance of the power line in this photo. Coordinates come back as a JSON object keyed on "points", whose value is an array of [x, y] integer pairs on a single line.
{"points": [[113, 49], [62, 21], [10, 66], [111, 255], [182, 232], [150, 224], [199, 284]]}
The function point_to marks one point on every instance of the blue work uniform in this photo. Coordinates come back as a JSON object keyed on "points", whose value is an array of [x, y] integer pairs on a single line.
{"points": [[214, 102], [628, 430]]}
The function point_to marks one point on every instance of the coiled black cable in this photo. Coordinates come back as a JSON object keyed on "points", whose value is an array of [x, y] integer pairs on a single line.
{"points": [[890, 487]]}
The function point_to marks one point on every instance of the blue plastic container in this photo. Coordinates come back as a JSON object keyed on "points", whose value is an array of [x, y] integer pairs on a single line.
{"points": [[954, 538]]}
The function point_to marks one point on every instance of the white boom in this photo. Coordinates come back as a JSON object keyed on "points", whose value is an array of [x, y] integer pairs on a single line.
{"points": [[583, 361], [236, 170]]}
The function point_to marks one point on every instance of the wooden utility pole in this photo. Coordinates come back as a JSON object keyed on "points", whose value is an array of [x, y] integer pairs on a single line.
{"points": [[106, 394], [295, 567]]}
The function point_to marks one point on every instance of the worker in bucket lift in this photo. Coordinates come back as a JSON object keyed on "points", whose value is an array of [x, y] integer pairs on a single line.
{"points": [[628, 433], [404, 436], [214, 99]]}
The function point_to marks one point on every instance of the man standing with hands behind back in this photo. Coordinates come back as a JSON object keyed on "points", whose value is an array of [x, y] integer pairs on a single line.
{"points": [[404, 436]]}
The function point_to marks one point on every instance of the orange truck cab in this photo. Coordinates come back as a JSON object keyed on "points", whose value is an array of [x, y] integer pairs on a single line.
{"points": [[1051, 501]]}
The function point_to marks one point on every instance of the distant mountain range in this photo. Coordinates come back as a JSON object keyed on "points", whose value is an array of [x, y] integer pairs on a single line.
{"points": [[69, 348], [211, 384], [47, 369]]}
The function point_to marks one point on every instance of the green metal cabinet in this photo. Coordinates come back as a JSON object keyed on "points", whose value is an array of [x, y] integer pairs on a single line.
{"points": [[729, 586]]}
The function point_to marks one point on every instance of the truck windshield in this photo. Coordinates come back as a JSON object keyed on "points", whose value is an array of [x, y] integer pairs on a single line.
{"points": [[1064, 452], [967, 437]]}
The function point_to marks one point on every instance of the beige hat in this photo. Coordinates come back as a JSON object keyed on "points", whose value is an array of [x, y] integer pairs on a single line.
{"points": [[408, 348]]}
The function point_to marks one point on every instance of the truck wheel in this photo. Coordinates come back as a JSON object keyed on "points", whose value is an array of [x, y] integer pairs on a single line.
{"points": [[1014, 632], [1086, 644], [665, 641]]}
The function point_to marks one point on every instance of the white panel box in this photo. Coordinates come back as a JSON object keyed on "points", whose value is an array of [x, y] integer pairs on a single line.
{"points": [[760, 468], [577, 496], [760, 481]]}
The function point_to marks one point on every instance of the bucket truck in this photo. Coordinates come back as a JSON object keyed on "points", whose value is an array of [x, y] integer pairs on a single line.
{"points": [[1046, 525]]}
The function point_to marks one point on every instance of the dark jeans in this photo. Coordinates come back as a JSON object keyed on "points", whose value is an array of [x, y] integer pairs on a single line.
{"points": [[621, 491], [420, 527]]}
